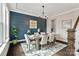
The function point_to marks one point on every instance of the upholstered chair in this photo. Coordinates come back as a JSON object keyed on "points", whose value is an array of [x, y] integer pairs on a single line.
{"points": [[51, 38], [28, 42], [43, 41]]}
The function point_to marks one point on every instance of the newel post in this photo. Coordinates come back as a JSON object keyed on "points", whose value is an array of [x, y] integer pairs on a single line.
{"points": [[71, 40]]}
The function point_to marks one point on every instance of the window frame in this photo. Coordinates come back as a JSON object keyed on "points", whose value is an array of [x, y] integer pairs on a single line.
{"points": [[1, 30], [4, 21]]}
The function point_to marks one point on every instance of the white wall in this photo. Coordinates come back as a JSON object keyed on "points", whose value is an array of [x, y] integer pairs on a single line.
{"points": [[48, 25], [77, 40], [66, 16]]}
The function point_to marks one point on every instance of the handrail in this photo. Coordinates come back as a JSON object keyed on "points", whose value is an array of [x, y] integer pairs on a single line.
{"points": [[76, 23]]}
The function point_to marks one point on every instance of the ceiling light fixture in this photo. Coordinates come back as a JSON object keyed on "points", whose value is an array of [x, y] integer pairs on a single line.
{"points": [[43, 13]]}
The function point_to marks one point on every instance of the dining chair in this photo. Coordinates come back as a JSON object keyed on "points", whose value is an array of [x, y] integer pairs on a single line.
{"points": [[28, 42], [43, 40], [51, 38]]}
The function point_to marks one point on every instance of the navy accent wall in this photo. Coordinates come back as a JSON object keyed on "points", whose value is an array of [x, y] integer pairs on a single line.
{"points": [[21, 21]]}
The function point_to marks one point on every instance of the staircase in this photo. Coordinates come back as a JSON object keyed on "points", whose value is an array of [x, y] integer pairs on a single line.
{"points": [[71, 39]]}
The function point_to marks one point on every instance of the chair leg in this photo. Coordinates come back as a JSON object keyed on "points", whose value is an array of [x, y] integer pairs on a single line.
{"points": [[28, 46], [34, 47], [41, 47]]}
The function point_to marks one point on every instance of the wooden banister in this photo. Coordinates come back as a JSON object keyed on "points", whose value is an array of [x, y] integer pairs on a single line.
{"points": [[76, 23], [71, 39]]}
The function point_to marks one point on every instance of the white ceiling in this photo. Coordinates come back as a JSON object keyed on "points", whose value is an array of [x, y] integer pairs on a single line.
{"points": [[35, 9]]}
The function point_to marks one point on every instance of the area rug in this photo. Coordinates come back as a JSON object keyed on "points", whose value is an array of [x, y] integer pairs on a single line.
{"points": [[48, 51]]}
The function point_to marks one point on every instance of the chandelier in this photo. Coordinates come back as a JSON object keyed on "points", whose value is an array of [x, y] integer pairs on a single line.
{"points": [[43, 13]]}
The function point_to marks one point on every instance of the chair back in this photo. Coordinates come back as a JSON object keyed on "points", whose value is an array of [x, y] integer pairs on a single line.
{"points": [[51, 37], [44, 39], [27, 38]]}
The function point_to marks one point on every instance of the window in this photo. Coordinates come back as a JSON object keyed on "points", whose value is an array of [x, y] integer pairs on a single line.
{"points": [[4, 23], [1, 25]]}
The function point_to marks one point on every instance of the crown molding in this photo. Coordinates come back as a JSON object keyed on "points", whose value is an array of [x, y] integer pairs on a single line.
{"points": [[23, 12]]}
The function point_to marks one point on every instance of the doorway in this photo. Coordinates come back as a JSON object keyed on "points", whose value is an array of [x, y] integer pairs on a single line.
{"points": [[53, 29]]}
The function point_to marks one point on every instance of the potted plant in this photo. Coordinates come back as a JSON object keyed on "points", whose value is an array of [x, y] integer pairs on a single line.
{"points": [[14, 34]]}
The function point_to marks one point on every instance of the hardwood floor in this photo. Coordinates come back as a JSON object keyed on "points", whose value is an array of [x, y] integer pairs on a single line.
{"points": [[16, 50], [61, 53]]}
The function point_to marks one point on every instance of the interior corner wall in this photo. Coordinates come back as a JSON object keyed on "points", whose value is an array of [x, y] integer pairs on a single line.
{"points": [[67, 16]]}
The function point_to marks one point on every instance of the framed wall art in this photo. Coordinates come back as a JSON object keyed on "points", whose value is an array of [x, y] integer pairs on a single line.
{"points": [[33, 24]]}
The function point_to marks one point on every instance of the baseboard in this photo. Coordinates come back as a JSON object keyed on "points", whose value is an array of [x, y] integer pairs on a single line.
{"points": [[61, 41], [22, 40]]}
